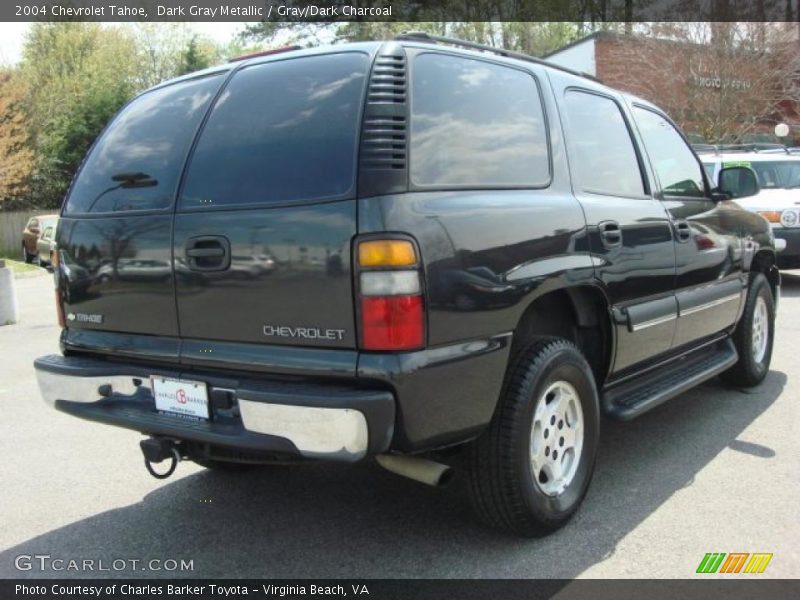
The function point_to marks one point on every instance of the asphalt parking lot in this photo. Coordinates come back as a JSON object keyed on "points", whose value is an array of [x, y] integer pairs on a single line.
{"points": [[715, 470]]}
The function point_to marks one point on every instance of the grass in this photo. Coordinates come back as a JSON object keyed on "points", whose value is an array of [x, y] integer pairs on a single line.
{"points": [[20, 267]]}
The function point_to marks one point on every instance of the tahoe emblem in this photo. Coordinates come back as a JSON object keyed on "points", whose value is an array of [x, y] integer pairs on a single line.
{"points": [[308, 333], [85, 318]]}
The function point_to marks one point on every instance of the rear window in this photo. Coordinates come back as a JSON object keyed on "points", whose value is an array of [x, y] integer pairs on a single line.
{"points": [[136, 163], [474, 123], [283, 131]]}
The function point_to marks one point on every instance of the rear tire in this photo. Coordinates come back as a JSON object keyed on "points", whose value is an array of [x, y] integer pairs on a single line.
{"points": [[754, 336], [518, 481]]}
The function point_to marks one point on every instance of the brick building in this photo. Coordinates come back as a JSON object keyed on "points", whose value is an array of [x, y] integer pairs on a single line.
{"points": [[714, 93]]}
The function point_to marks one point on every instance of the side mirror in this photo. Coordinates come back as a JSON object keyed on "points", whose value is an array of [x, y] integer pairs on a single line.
{"points": [[738, 182]]}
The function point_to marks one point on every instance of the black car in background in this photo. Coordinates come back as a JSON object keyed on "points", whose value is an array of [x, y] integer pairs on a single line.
{"points": [[396, 250]]}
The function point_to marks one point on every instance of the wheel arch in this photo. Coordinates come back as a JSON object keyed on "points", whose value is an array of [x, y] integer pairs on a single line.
{"points": [[765, 262], [580, 314]]}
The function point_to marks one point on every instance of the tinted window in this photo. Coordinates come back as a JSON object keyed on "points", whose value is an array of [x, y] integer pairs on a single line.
{"points": [[674, 162], [475, 123], [602, 155], [136, 163], [281, 132]]}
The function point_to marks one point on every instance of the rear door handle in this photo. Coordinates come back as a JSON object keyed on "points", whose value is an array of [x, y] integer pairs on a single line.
{"points": [[208, 253], [610, 233], [683, 231]]}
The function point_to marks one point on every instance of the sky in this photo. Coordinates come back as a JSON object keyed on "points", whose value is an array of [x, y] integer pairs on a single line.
{"points": [[12, 36]]}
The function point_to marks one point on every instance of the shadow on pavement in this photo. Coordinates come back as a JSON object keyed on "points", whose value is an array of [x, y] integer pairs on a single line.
{"points": [[359, 521]]}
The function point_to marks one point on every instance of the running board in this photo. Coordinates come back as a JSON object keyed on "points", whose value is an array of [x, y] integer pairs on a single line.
{"points": [[631, 399]]}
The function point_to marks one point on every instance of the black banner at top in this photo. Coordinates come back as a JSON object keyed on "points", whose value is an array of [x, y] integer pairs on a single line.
{"points": [[401, 10]]}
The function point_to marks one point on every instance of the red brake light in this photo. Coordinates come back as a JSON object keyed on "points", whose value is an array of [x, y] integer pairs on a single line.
{"points": [[392, 322], [392, 304]]}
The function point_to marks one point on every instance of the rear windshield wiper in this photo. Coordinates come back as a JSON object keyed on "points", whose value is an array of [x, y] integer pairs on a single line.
{"points": [[126, 181], [134, 180]]}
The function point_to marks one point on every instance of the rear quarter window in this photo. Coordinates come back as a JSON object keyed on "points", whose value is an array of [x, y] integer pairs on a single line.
{"points": [[283, 131], [475, 123], [136, 163]]}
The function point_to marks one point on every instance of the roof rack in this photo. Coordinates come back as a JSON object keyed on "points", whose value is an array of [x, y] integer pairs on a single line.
{"points": [[764, 147], [421, 36]]}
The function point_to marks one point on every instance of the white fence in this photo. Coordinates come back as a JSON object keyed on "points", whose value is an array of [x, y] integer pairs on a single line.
{"points": [[11, 225]]}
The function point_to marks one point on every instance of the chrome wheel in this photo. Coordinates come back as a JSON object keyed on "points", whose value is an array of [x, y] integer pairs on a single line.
{"points": [[760, 337], [556, 438]]}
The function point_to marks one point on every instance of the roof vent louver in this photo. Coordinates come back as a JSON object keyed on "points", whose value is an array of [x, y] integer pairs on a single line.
{"points": [[383, 160]]}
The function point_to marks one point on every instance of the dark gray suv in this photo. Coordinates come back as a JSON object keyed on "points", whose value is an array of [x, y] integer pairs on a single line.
{"points": [[401, 250]]}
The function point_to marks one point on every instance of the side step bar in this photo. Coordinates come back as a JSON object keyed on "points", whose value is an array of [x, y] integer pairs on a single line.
{"points": [[631, 399]]}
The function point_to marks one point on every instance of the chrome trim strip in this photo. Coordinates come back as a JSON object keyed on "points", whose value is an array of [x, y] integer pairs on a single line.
{"points": [[339, 433], [712, 304], [55, 386], [654, 322]]}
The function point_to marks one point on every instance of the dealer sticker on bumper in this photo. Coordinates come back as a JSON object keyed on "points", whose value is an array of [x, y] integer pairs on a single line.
{"points": [[181, 397]]}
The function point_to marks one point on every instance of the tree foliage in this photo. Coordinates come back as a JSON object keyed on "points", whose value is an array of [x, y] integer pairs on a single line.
{"points": [[77, 76], [16, 156]]}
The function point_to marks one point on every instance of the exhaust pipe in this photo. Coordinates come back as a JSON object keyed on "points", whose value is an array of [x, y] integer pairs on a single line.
{"points": [[418, 469]]}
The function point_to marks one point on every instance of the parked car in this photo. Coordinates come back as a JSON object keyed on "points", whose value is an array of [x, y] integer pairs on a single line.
{"points": [[594, 270], [30, 235], [778, 200], [46, 245]]}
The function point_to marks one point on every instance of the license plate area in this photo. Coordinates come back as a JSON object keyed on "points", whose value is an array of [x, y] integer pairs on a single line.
{"points": [[181, 397]]}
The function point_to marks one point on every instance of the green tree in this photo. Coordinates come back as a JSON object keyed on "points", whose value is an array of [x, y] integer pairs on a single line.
{"points": [[77, 75], [16, 157], [194, 58]]}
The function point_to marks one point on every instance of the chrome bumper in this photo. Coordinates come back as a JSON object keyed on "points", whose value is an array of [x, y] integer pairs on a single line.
{"points": [[317, 432], [340, 431]]}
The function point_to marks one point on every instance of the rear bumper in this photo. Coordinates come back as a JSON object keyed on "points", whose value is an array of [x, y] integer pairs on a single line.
{"points": [[281, 418]]}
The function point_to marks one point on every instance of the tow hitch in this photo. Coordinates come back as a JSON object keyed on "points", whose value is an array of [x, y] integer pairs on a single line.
{"points": [[157, 450]]}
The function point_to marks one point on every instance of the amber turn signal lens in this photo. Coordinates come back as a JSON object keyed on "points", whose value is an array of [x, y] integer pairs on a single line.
{"points": [[773, 216], [386, 253]]}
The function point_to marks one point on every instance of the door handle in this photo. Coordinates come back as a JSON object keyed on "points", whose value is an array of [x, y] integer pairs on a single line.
{"points": [[683, 231], [610, 233], [205, 252], [208, 253]]}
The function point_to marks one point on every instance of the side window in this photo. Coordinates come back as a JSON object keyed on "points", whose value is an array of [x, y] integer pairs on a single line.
{"points": [[474, 123], [136, 163], [33, 223], [674, 162], [283, 131], [602, 156]]}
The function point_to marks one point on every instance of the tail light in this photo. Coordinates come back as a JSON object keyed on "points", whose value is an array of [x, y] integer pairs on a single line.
{"points": [[60, 310], [391, 303], [55, 261]]}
